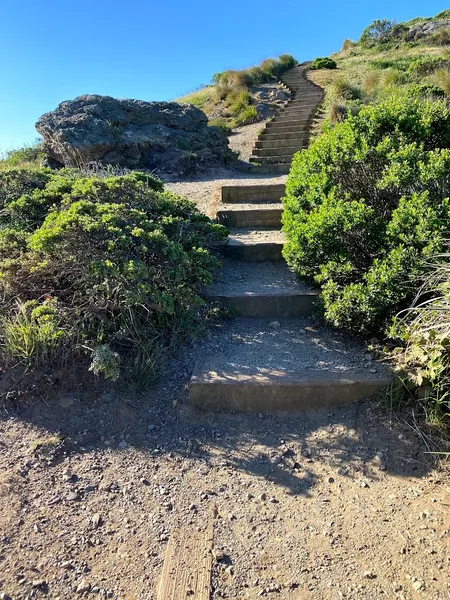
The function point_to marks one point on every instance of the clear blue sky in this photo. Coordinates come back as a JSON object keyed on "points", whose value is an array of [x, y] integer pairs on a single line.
{"points": [[55, 50]]}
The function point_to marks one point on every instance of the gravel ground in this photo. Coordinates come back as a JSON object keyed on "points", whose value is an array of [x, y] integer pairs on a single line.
{"points": [[288, 345], [318, 507], [247, 235], [204, 189], [237, 276]]}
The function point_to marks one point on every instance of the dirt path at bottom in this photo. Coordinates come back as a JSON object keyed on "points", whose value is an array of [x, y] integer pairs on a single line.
{"points": [[322, 506]]}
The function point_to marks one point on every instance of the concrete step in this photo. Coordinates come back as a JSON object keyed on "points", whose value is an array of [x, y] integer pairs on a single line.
{"points": [[252, 194], [268, 150], [251, 245], [250, 215], [298, 366], [282, 142], [262, 290]]}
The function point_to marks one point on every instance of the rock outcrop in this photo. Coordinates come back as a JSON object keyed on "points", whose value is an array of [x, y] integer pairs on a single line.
{"points": [[162, 136]]}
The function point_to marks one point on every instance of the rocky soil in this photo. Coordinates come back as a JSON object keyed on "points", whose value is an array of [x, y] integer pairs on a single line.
{"points": [[318, 506]]}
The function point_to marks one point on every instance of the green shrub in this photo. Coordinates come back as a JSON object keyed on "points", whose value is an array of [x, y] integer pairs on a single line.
{"points": [[323, 63], [445, 14], [382, 32], [425, 65], [117, 259], [365, 204], [27, 156]]}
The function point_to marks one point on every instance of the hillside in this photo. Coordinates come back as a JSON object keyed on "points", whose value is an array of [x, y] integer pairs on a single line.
{"points": [[390, 58], [237, 98]]}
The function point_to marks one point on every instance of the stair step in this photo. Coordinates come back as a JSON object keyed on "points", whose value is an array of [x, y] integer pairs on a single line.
{"points": [[281, 143], [280, 137], [249, 245], [291, 124], [280, 169], [268, 150], [280, 158], [273, 126], [252, 194], [293, 119], [250, 215], [291, 368], [262, 290]]}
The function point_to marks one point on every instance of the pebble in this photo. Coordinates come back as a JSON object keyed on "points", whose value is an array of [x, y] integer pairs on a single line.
{"points": [[275, 324], [372, 370], [39, 583], [83, 587], [4, 596], [302, 331], [330, 479], [418, 585], [97, 520], [369, 575], [263, 497]]}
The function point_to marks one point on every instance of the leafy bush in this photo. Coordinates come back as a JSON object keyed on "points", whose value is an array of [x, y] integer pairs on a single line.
{"points": [[365, 204], [28, 155], [424, 65], [382, 32], [112, 265], [445, 14], [323, 63]]}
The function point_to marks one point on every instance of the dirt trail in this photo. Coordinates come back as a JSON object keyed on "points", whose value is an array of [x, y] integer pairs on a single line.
{"points": [[316, 507]]}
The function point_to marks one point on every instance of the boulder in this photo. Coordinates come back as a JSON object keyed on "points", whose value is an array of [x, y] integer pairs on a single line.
{"points": [[160, 136]]}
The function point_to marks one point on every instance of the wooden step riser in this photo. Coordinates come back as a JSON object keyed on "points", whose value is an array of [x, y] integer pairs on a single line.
{"points": [[250, 218], [280, 169], [254, 252], [252, 194], [300, 305], [272, 159], [279, 137], [277, 392], [275, 150], [281, 143], [294, 126]]}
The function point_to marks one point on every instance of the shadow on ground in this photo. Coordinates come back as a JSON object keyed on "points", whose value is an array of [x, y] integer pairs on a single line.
{"points": [[285, 448]]}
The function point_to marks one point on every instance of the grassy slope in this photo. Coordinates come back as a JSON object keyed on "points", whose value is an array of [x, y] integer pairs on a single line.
{"points": [[358, 81]]}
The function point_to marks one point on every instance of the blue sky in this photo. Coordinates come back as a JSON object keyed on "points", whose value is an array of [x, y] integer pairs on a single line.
{"points": [[152, 50]]}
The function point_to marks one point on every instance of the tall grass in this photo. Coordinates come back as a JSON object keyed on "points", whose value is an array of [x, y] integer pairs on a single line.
{"points": [[424, 363]]}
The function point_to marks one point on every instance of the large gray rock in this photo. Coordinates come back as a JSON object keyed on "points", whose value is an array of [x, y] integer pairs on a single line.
{"points": [[162, 136]]}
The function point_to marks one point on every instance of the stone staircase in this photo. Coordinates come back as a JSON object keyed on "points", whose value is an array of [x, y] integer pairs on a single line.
{"points": [[271, 356], [288, 131]]}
